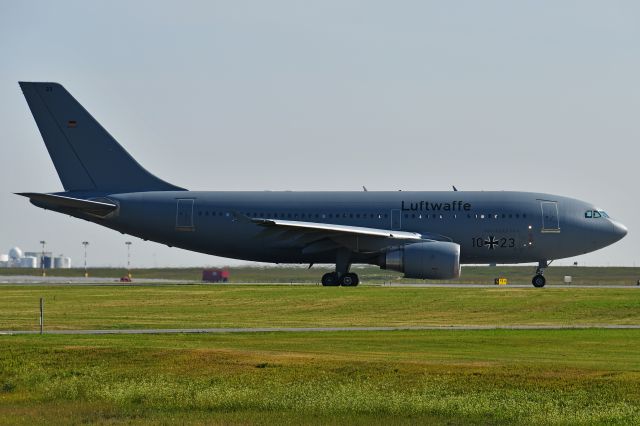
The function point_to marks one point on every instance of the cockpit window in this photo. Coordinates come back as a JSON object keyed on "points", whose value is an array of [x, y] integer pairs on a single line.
{"points": [[595, 214]]}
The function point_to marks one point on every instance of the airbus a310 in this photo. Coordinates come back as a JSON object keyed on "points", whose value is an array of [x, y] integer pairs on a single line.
{"points": [[424, 235]]}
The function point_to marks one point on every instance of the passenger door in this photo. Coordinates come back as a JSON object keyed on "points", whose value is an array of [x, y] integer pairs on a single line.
{"points": [[184, 214], [550, 217], [396, 219]]}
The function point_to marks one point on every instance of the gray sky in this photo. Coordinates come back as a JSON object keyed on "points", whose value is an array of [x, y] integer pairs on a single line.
{"points": [[492, 95]]}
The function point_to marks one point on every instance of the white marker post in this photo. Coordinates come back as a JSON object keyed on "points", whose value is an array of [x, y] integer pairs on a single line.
{"points": [[41, 314]]}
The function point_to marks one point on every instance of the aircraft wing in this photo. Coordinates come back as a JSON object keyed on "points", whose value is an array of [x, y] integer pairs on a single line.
{"points": [[314, 237], [346, 229]]}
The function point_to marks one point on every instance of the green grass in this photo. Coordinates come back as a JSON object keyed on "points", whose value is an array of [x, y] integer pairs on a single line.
{"points": [[433, 377], [180, 306], [369, 275], [588, 376]]}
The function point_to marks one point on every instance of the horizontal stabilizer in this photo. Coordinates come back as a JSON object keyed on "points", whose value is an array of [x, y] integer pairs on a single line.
{"points": [[56, 202]]}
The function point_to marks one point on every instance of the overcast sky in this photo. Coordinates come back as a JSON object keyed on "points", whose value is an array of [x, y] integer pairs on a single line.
{"points": [[415, 95]]}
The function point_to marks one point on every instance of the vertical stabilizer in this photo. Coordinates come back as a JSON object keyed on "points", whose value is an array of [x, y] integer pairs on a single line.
{"points": [[85, 155]]}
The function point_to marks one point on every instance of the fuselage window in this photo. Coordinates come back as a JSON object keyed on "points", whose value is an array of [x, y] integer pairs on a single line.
{"points": [[524, 215], [517, 215]]}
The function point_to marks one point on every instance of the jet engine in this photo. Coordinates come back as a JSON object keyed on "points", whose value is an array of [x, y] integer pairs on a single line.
{"points": [[427, 260]]}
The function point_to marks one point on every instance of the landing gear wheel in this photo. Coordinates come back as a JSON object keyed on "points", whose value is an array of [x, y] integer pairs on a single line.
{"points": [[349, 280], [538, 281], [330, 279]]}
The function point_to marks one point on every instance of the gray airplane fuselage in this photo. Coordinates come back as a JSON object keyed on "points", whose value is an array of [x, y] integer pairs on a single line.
{"points": [[424, 235], [490, 227]]}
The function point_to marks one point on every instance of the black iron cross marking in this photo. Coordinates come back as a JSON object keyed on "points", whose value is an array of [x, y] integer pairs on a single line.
{"points": [[491, 242]]}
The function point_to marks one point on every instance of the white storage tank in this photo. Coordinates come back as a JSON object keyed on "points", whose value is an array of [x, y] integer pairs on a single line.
{"points": [[62, 262], [15, 253], [29, 262]]}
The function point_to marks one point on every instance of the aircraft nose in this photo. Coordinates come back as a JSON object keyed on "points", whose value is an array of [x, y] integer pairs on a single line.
{"points": [[619, 230]]}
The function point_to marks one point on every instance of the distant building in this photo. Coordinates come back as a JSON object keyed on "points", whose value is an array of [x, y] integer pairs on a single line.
{"points": [[16, 258]]}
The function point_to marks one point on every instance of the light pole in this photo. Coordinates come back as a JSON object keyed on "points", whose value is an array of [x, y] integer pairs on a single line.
{"points": [[43, 242], [85, 244], [128, 243]]}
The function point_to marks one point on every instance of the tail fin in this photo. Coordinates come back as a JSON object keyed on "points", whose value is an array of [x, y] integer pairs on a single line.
{"points": [[86, 156]]}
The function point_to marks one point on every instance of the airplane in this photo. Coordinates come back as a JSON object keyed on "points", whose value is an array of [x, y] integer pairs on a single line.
{"points": [[424, 235]]}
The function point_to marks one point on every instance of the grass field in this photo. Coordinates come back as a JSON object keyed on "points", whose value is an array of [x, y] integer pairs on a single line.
{"points": [[587, 376], [426, 377], [369, 275], [180, 306]]}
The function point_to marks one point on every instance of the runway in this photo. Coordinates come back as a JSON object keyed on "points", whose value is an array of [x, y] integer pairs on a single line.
{"points": [[323, 329], [28, 280]]}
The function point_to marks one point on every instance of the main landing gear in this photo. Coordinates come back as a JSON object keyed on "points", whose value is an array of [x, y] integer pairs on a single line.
{"points": [[539, 280], [333, 279], [342, 276]]}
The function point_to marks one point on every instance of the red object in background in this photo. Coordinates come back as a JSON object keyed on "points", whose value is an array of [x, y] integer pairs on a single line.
{"points": [[125, 279], [215, 275]]}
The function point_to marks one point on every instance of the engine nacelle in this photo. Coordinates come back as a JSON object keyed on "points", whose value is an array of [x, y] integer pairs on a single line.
{"points": [[428, 260]]}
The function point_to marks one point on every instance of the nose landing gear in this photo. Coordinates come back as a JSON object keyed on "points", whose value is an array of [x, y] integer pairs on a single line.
{"points": [[539, 280]]}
